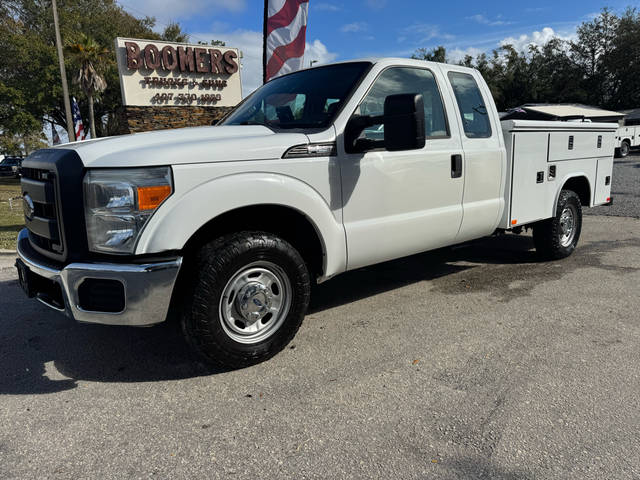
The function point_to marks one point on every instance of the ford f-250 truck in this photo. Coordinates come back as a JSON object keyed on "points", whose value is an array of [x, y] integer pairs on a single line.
{"points": [[317, 172]]}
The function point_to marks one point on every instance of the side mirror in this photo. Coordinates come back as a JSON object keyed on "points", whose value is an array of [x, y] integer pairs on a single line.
{"points": [[404, 122]]}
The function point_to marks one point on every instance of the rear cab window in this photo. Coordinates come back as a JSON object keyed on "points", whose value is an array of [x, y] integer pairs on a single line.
{"points": [[473, 111]]}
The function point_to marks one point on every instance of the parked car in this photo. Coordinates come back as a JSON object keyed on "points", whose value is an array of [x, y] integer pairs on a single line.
{"points": [[10, 166], [228, 226]]}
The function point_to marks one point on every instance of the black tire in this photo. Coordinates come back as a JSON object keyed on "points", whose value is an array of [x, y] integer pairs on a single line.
{"points": [[551, 236], [625, 149], [207, 321]]}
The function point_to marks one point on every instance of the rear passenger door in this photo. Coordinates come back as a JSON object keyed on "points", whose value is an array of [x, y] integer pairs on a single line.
{"points": [[484, 154]]}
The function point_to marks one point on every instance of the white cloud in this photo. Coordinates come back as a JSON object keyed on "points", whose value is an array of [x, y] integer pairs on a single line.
{"points": [[484, 20], [456, 55], [537, 38], [168, 10], [326, 7], [249, 42], [376, 4], [354, 27], [536, 9], [423, 32], [317, 50]]}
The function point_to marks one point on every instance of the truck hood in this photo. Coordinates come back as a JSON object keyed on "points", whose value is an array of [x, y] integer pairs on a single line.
{"points": [[186, 145]]}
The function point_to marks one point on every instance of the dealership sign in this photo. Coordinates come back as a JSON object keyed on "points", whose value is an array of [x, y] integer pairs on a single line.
{"points": [[154, 73]]}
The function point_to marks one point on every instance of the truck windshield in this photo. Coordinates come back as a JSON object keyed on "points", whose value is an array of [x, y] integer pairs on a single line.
{"points": [[306, 99]]}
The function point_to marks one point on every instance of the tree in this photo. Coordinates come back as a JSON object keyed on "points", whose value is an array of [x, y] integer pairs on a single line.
{"points": [[601, 66], [173, 33], [29, 63], [438, 54], [213, 43], [623, 62], [594, 43], [89, 54]]}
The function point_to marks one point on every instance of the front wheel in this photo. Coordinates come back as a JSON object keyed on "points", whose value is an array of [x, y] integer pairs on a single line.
{"points": [[248, 297], [557, 237]]}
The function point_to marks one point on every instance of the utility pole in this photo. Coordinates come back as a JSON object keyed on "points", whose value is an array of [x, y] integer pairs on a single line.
{"points": [[63, 74]]}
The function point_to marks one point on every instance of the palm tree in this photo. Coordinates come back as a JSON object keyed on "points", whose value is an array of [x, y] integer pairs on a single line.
{"points": [[88, 53]]}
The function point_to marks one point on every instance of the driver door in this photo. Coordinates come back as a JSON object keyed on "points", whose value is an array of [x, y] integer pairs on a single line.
{"points": [[400, 203]]}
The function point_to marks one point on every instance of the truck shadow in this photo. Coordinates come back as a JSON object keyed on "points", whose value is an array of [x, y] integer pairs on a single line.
{"points": [[429, 266], [34, 339]]}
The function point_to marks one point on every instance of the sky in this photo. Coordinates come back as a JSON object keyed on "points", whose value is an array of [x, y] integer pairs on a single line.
{"points": [[343, 30]]}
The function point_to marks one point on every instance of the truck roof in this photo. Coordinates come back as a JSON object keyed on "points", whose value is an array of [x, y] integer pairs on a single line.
{"points": [[390, 61]]}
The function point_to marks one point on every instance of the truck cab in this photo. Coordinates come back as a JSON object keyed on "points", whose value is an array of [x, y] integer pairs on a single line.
{"points": [[318, 172]]}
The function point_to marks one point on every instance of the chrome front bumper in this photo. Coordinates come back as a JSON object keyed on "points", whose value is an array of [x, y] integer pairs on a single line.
{"points": [[147, 287]]}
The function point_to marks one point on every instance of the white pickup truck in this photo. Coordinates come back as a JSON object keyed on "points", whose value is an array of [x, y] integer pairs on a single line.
{"points": [[318, 172]]}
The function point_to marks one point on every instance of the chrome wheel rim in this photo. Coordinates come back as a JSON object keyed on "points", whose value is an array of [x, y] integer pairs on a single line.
{"points": [[568, 225], [255, 302]]}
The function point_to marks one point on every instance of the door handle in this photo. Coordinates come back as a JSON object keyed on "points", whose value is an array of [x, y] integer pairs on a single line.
{"points": [[456, 166]]}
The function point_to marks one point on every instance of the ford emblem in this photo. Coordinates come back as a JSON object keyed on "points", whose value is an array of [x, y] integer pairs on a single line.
{"points": [[27, 205]]}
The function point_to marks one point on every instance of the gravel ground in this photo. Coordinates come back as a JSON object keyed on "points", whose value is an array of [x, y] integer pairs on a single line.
{"points": [[625, 189], [472, 362]]}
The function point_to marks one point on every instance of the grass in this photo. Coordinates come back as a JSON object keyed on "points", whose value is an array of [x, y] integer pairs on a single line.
{"points": [[11, 220]]}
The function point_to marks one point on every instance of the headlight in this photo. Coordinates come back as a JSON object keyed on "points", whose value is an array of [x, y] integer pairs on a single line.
{"points": [[118, 204]]}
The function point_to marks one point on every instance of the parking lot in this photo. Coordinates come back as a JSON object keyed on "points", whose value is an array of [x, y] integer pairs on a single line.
{"points": [[472, 362]]}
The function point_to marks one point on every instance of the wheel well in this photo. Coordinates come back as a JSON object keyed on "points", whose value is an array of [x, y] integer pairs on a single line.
{"points": [[580, 185], [287, 223]]}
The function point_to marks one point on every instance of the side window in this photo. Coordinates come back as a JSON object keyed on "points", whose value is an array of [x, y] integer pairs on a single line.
{"points": [[405, 80], [474, 114]]}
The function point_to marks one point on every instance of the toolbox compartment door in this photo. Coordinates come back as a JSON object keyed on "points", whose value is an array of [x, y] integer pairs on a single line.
{"points": [[572, 145], [531, 198], [602, 189]]}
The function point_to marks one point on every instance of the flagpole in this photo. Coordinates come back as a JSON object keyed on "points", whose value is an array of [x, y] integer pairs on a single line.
{"points": [[264, 42], [63, 74]]}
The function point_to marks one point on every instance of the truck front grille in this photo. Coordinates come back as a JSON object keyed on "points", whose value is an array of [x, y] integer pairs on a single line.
{"points": [[43, 223]]}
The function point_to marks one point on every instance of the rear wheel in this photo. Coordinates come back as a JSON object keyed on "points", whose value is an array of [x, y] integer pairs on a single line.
{"points": [[625, 148], [247, 299], [557, 237]]}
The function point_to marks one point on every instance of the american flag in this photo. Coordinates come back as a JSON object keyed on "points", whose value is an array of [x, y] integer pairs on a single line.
{"points": [[285, 29], [54, 135], [77, 121]]}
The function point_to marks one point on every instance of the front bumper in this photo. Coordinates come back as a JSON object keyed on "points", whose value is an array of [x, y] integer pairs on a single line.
{"points": [[147, 287]]}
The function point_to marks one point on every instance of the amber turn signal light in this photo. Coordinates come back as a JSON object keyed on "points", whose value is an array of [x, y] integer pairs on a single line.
{"points": [[149, 198]]}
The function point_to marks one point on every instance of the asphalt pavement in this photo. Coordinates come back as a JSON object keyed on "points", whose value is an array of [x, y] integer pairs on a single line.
{"points": [[473, 362], [625, 188]]}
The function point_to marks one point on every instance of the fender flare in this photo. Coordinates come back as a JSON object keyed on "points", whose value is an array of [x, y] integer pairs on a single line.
{"points": [[564, 181], [181, 216]]}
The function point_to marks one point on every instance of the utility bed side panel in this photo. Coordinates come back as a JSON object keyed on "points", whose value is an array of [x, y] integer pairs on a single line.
{"points": [[542, 156], [628, 132]]}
